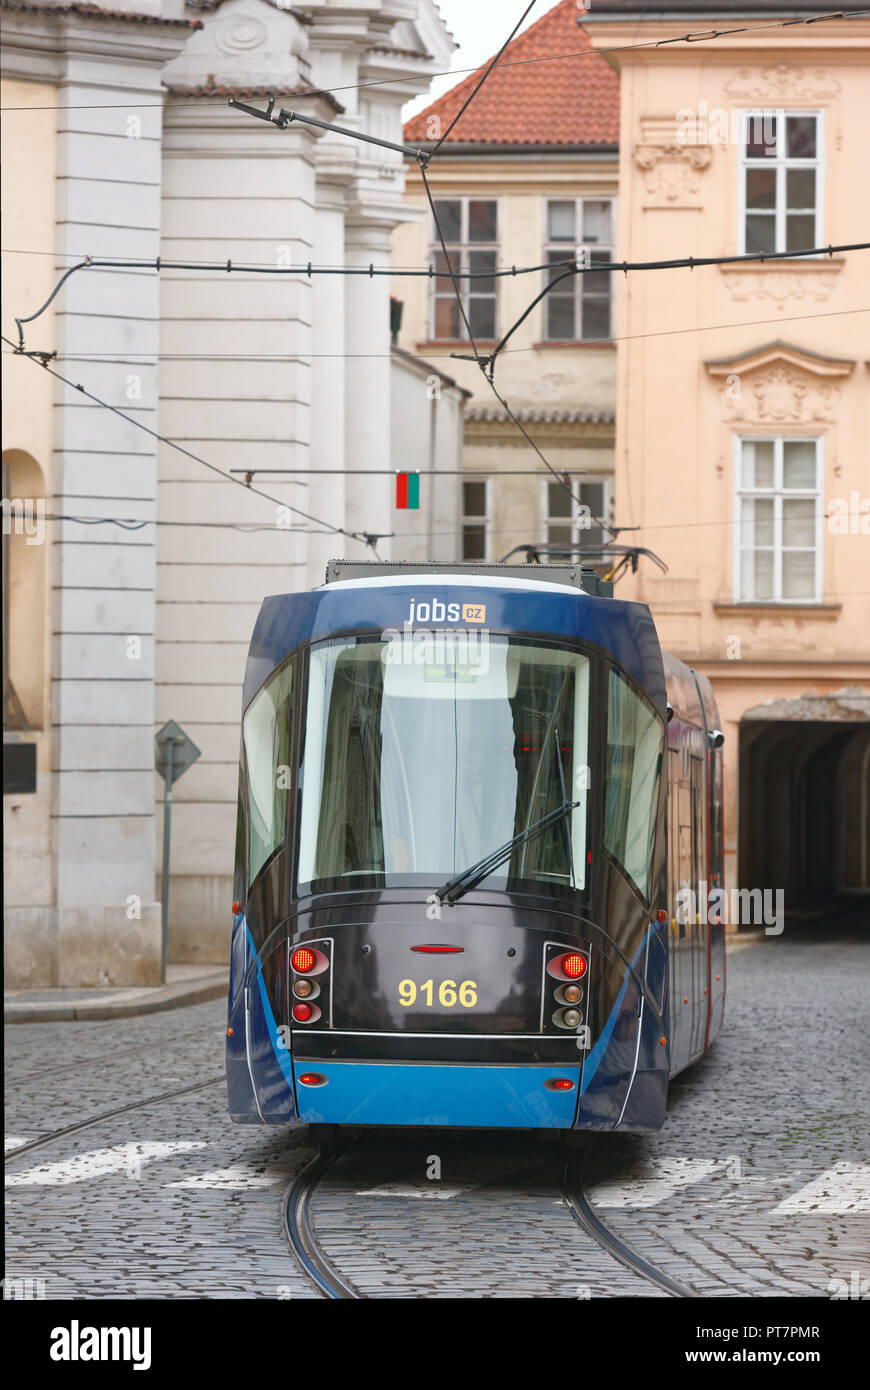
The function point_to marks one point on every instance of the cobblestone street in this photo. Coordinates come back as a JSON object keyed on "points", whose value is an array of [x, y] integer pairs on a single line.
{"points": [[757, 1185]]}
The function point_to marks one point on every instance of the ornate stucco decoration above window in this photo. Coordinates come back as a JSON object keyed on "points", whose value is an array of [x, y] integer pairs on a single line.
{"points": [[782, 84], [779, 385], [807, 281], [671, 169]]}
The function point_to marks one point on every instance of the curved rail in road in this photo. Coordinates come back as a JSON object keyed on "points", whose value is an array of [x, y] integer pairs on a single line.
{"points": [[315, 1263]]}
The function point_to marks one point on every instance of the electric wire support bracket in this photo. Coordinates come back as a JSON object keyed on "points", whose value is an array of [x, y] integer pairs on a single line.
{"points": [[371, 538], [285, 117]]}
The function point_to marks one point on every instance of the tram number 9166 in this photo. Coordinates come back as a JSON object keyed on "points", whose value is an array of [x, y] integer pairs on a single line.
{"points": [[448, 994]]}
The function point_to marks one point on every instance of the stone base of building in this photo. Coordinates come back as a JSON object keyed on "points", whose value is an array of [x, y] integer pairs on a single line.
{"points": [[200, 919], [82, 947]]}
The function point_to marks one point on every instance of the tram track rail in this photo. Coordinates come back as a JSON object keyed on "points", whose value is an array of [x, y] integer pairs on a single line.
{"points": [[299, 1233], [62, 1133], [319, 1268], [581, 1209], [67, 1069]]}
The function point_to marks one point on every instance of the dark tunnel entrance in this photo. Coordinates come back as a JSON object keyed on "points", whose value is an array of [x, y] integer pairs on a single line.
{"points": [[805, 801]]}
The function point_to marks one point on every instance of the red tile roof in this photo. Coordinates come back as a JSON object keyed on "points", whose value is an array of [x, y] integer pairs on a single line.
{"points": [[566, 102]]}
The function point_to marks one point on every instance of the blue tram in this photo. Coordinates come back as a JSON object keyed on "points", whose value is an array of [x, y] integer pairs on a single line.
{"points": [[470, 800]]}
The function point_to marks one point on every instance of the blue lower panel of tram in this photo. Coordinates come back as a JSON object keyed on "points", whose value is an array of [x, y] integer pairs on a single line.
{"points": [[368, 1093]]}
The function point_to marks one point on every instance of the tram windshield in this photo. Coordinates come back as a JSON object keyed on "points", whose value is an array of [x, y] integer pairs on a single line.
{"points": [[423, 752]]}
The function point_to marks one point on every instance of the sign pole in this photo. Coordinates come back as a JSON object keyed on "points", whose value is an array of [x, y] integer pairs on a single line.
{"points": [[167, 816], [175, 752]]}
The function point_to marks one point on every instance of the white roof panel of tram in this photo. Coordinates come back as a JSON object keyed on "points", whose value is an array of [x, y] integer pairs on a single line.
{"points": [[465, 581]]}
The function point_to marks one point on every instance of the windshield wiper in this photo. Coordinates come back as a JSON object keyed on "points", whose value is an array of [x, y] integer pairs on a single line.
{"points": [[454, 888], [568, 838]]}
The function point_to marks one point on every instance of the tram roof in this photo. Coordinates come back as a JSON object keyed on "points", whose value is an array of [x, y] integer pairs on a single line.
{"points": [[504, 606]]}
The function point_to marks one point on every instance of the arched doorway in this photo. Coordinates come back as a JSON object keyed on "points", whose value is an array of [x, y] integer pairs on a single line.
{"points": [[805, 797], [24, 534]]}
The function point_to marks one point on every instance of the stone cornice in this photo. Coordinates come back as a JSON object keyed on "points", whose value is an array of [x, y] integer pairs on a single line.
{"points": [[426, 369], [217, 131], [210, 5], [562, 176], [38, 44], [850, 704], [245, 46], [839, 37], [775, 612], [383, 14], [336, 164], [757, 359], [573, 433], [249, 93], [97, 13], [748, 668]]}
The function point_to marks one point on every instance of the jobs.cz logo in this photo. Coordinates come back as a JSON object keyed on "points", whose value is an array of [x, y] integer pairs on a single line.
{"points": [[438, 612], [448, 653]]}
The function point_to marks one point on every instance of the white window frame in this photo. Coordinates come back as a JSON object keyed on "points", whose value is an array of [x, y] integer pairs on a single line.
{"points": [[777, 493], [569, 249], [780, 164], [464, 246], [467, 520], [576, 480]]}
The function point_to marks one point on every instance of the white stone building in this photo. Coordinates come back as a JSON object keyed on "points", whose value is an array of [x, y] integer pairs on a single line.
{"points": [[119, 143]]}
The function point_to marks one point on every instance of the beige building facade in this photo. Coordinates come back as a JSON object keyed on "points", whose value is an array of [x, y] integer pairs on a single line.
{"points": [[562, 391], [743, 410], [525, 179]]}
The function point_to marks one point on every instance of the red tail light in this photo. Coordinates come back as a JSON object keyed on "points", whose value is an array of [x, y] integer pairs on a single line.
{"points": [[302, 1012], [303, 960], [312, 1078], [574, 966], [559, 1083], [438, 950]]}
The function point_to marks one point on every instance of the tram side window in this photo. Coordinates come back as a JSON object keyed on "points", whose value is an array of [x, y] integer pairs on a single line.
{"points": [[268, 730], [634, 757]]}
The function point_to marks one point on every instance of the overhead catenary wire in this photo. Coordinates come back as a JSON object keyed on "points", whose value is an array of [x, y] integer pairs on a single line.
{"points": [[470, 98], [136, 523], [697, 36], [220, 264], [282, 120], [39, 360], [133, 523], [129, 523], [558, 344], [158, 264], [487, 364]]}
